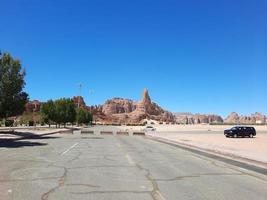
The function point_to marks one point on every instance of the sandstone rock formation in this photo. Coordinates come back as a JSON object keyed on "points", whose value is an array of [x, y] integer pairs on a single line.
{"points": [[79, 101], [125, 111], [256, 118], [233, 117], [259, 118], [33, 106], [189, 118], [118, 105]]}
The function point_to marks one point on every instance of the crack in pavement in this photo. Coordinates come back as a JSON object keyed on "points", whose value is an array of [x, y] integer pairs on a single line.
{"points": [[101, 166], [61, 182], [199, 175], [107, 158], [82, 184], [110, 192], [75, 157], [34, 161], [27, 180], [155, 193], [32, 179]]}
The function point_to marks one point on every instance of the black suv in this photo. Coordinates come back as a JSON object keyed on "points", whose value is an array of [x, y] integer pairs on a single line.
{"points": [[240, 131]]}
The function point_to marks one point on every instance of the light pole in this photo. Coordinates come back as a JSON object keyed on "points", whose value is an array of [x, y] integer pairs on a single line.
{"points": [[79, 96]]}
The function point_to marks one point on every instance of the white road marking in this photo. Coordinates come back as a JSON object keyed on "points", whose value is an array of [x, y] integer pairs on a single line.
{"points": [[130, 160], [70, 148], [9, 191], [159, 195], [118, 145]]}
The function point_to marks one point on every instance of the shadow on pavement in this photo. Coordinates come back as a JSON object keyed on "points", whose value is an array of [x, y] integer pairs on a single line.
{"points": [[17, 144], [29, 135]]}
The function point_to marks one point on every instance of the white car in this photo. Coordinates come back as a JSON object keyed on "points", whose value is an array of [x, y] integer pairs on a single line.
{"points": [[150, 128]]}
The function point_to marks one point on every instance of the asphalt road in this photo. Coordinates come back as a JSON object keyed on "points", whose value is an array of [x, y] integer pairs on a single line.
{"points": [[120, 168]]}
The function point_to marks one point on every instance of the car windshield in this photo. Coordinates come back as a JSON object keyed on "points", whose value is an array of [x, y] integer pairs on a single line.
{"points": [[234, 128]]}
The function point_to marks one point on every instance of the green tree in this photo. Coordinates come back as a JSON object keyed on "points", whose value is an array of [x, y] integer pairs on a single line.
{"points": [[64, 111], [83, 116], [80, 116], [12, 97], [60, 111], [89, 118], [70, 111], [48, 111]]}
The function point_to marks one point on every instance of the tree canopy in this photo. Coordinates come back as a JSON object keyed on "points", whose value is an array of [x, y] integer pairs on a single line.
{"points": [[62, 111], [83, 116], [48, 111], [12, 96]]}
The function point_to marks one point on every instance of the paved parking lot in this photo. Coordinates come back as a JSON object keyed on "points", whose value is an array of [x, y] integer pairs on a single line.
{"points": [[86, 166]]}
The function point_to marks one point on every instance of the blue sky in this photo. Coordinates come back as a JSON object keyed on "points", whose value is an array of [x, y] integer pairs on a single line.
{"points": [[199, 56]]}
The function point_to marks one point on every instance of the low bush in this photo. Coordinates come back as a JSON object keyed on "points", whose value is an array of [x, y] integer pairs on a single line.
{"points": [[9, 123]]}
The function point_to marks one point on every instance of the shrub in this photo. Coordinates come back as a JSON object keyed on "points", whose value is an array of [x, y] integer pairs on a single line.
{"points": [[9, 122], [31, 123]]}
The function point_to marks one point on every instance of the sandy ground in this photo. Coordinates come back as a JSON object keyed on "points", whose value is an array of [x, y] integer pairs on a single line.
{"points": [[211, 138], [201, 128], [178, 128]]}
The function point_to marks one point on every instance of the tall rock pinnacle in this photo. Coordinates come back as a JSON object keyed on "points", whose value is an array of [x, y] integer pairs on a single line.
{"points": [[145, 97]]}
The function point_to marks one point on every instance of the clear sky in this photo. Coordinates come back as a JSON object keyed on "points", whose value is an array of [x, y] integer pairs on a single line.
{"points": [[207, 56]]}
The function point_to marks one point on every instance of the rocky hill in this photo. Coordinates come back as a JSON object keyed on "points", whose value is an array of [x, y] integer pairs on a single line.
{"points": [[33, 106], [126, 111], [189, 118], [256, 118]]}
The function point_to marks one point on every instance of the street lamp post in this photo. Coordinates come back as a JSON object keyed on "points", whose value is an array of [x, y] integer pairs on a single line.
{"points": [[79, 96]]}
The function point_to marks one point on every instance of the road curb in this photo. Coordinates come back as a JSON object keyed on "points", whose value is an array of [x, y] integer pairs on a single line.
{"points": [[229, 159]]}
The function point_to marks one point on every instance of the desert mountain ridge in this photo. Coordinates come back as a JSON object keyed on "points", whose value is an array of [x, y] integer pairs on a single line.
{"points": [[126, 111]]}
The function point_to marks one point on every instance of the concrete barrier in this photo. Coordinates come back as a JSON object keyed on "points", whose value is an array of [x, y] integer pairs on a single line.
{"points": [[106, 133], [66, 131], [139, 133], [123, 133], [87, 132]]}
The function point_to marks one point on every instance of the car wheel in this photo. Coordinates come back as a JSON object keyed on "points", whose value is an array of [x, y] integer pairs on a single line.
{"points": [[251, 135], [235, 135]]}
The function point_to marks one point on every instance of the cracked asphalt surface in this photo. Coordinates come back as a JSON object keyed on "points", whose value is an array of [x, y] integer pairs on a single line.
{"points": [[120, 168]]}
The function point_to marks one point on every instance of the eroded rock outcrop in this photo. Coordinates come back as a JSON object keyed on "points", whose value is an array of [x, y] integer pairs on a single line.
{"points": [[33, 106], [79, 101], [125, 111], [189, 118], [256, 118]]}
